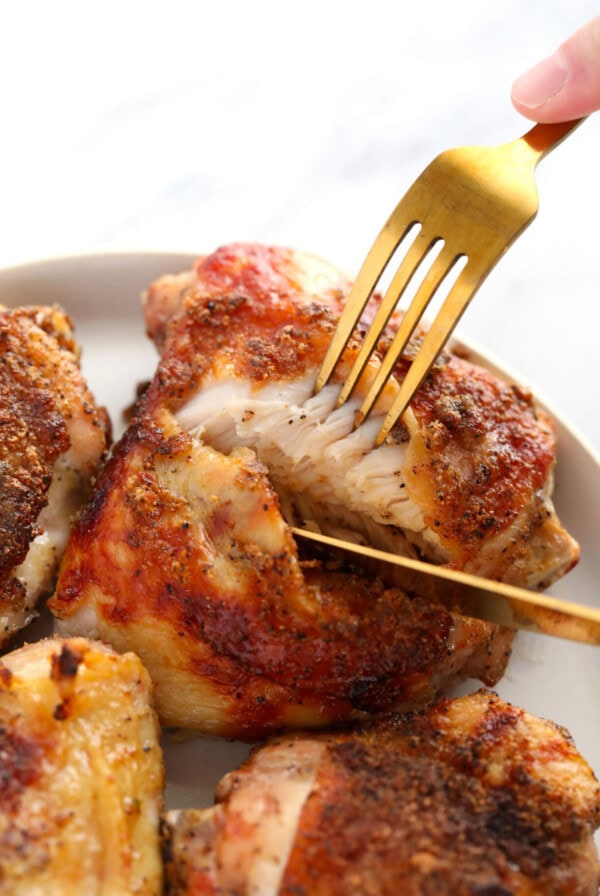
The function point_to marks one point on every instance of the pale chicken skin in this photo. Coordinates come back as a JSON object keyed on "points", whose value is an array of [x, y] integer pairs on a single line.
{"points": [[472, 797], [54, 439], [184, 554], [82, 773]]}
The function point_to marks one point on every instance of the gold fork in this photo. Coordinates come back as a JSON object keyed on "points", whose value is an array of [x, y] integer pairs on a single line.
{"points": [[476, 200]]}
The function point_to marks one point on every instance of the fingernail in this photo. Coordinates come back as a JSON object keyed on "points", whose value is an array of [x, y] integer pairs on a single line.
{"points": [[540, 83]]}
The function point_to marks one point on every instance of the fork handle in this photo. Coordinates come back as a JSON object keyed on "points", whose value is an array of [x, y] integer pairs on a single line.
{"points": [[544, 137]]}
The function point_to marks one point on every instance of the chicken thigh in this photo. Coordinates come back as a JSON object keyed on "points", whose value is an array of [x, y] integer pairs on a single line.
{"points": [[53, 441], [184, 554], [473, 797], [81, 776], [465, 480]]}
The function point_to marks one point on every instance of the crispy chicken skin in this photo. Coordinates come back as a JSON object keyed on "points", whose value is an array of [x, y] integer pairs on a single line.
{"points": [[184, 556], [53, 440], [473, 797], [82, 774], [163, 300], [466, 480]]}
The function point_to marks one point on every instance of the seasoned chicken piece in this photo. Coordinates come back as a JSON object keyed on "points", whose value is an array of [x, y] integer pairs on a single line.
{"points": [[466, 480], [53, 440], [183, 554], [82, 774], [163, 300], [472, 797]]}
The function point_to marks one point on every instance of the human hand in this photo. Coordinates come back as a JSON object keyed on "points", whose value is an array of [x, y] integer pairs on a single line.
{"points": [[566, 85]]}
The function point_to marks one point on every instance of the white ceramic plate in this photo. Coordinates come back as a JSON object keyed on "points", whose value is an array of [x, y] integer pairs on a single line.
{"points": [[551, 678]]}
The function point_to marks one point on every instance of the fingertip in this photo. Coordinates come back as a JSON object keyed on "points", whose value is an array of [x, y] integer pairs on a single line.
{"points": [[566, 85], [535, 91]]}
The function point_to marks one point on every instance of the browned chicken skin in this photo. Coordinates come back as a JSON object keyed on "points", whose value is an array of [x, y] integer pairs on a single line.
{"points": [[466, 480], [53, 441], [184, 556], [81, 774], [472, 798]]}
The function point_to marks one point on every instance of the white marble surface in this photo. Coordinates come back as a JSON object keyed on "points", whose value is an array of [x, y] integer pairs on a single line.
{"points": [[184, 125]]}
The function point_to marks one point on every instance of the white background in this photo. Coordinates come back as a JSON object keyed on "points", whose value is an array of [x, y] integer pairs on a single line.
{"points": [[184, 125]]}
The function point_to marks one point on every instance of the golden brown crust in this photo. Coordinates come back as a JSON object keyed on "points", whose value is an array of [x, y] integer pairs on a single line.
{"points": [[484, 493], [33, 436], [472, 797], [184, 557], [47, 418], [162, 301], [407, 788], [432, 807], [248, 304], [81, 776], [481, 454]]}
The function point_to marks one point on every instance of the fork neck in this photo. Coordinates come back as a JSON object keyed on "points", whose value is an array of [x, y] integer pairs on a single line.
{"points": [[544, 137]]}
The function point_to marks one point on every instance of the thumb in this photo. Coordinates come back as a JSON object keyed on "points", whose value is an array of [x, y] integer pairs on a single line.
{"points": [[566, 85]]}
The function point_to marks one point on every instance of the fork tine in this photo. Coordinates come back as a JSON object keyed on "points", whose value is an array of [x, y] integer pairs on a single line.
{"points": [[389, 238], [408, 266], [440, 331], [484, 197], [425, 293]]}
